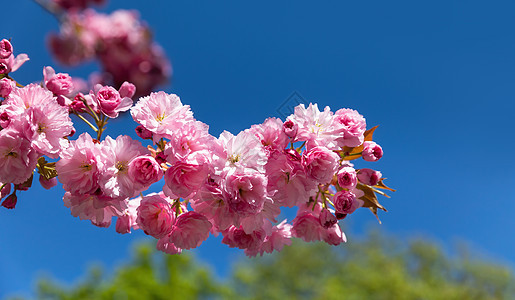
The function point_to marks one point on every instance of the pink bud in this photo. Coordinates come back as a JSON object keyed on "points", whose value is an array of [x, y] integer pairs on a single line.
{"points": [[290, 128], [60, 84], [123, 224], [6, 49], [327, 219], [190, 230], [372, 151], [127, 90], [47, 183], [347, 177], [345, 202], [10, 201], [6, 87], [25, 185], [5, 191], [369, 176], [143, 133]]}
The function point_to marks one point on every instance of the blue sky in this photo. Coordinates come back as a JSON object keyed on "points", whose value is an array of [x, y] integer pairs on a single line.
{"points": [[438, 77]]}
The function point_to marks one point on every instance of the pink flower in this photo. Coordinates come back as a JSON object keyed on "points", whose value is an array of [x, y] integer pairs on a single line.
{"points": [[6, 49], [290, 128], [327, 219], [162, 114], [164, 245], [155, 216], [288, 184], [347, 177], [372, 151], [47, 183], [190, 230], [114, 179], [47, 126], [110, 102], [314, 126], [143, 171], [11, 63], [345, 202], [280, 236], [79, 166], [271, 134], [237, 237], [61, 84], [17, 159], [143, 133], [6, 87], [96, 208], [349, 126], [188, 142], [243, 153], [246, 193], [183, 179], [334, 235], [307, 227], [369, 176], [320, 163], [128, 217], [127, 90]]}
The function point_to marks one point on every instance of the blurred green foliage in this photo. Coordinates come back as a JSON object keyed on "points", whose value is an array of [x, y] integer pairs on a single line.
{"points": [[375, 268]]}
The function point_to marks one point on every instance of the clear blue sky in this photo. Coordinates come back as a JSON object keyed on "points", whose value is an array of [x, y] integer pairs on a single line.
{"points": [[437, 76]]}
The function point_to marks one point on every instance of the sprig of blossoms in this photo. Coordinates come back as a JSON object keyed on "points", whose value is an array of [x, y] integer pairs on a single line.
{"points": [[234, 185]]}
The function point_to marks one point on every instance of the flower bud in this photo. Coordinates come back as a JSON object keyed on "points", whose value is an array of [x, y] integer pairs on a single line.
{"points": [[369, 176], [6, 49], [345, 202], [327, 219], [127, 90], [47, 183], [347, 177], [372, 151], [143, 133], [290, 128], [6, 87], [10, 201]]}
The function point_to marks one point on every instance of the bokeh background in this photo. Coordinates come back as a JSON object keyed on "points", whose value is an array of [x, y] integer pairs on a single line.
{"points": [[438, 77]]}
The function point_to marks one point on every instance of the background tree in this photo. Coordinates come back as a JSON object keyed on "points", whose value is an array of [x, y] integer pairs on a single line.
{"points": [[375, 268]]}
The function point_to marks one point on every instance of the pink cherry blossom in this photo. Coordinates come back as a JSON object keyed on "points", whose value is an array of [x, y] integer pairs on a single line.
{"points": [[280, 236], [155, 216], [115, 180], [372, 151], [17, 158], [190, 230], [347, 177], [47, 183], [369, 176], [246, 193], [271, 134], [96, 208], [143, 171], [314, 126], [307, 227], [349, 126], [345, 202], [162, 114], [164, 245], [6, 87], [6, 49], [110, 102], [183, 179], [320, 163], [290, 128], [79, 166], [61, 84]]}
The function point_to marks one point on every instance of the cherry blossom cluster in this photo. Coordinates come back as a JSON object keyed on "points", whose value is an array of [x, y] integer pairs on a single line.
{"points": [[233, 185], [120, 41]]}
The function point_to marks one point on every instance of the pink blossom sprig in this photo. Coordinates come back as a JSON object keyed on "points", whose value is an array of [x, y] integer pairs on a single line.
{"points": [[234, 184]]}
